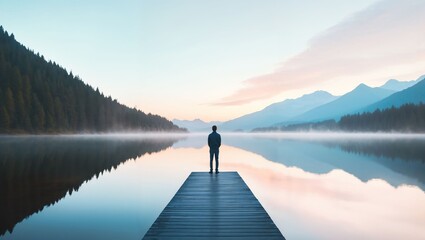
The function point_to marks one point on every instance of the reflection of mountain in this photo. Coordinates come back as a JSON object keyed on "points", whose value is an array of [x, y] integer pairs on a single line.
{"points": [[406, 156], [407, 149], [396, 161], [39, 171]]}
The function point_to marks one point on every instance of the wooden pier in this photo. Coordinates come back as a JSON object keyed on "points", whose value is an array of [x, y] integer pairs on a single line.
{"points": [[214, 206]]}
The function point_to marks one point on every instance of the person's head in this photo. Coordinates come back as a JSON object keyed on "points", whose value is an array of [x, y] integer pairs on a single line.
{"points": [[214, 128]]}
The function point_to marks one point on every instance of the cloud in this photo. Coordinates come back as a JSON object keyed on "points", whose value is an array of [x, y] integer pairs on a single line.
{"points": [[383, 37]]}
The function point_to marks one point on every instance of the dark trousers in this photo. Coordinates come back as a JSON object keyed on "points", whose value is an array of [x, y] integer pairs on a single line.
{"points": [[212, 153]]}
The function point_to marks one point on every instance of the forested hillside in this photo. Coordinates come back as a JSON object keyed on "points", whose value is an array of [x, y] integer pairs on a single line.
{"points": [[407, 118], [37, 96]]}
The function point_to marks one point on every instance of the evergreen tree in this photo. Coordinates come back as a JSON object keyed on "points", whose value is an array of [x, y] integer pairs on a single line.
{"points": [[10, 106], [4, 120]]}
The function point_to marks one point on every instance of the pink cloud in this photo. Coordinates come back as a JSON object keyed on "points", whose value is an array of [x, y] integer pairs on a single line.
{"points": [[388, 34]]}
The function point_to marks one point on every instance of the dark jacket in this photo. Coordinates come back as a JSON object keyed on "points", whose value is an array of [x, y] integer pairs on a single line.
{"points": [[214, 141]]}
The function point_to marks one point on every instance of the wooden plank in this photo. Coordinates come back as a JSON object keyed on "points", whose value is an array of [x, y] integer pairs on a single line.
{"points": [[211, 206]]}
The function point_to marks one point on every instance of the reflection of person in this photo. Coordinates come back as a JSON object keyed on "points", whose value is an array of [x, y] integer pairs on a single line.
{"points": [[214, 142]]}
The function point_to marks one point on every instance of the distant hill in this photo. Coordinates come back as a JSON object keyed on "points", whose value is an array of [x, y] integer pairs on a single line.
{"points": [[350, 102], [414, 94], [37, 96], [397, 86], [278, 112], [196, 125]]}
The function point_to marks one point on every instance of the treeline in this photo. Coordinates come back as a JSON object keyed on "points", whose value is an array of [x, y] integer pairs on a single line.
{"points": [[327, 125], [406, 118], [37, 96]]}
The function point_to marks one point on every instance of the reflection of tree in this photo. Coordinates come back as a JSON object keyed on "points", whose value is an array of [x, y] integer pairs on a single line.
{"points": [[39, 171], [404, 156], [365, 158], [405, 149]]}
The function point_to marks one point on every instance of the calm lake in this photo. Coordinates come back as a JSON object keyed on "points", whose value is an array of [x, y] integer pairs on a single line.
{"points": [[314, 186]]}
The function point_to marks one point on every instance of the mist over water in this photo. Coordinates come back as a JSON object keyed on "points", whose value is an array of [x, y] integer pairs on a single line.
{"points": [[313, 185]]}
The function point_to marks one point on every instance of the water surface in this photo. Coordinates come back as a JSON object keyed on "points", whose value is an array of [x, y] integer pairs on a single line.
{"points": [[314, 186]]}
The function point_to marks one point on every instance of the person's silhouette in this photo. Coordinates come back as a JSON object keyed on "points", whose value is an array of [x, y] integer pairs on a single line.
{"points": [[214, 142]]}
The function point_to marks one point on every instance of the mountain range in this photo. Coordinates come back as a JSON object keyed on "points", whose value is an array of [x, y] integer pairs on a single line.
{"points": [[352, 101], [279, 112], [321, 105], [414, 94], [396, 85], [196, 125]]}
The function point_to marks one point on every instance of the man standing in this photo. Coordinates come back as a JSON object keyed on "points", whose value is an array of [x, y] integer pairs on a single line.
{"points": [[214, 142]]}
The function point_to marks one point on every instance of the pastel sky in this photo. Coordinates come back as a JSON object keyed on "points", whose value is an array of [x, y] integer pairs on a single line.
{"points": [[217, 60]]}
